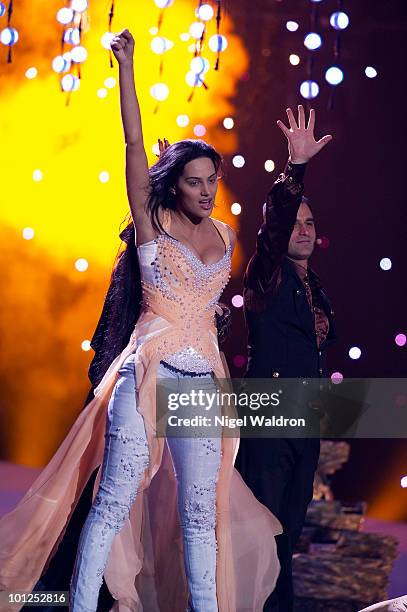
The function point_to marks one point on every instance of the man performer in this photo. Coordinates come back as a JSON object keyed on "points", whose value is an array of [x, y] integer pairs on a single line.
{"points": [[289, 320]]}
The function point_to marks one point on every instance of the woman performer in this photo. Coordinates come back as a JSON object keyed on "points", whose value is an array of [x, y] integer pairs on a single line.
{"points": [[194, 534]]}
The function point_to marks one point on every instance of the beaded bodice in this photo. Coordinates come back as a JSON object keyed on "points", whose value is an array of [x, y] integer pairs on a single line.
{"points": [[183, 292]]}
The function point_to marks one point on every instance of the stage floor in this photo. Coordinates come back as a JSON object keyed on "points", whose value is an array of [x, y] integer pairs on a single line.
{"points": [[16, 479]]}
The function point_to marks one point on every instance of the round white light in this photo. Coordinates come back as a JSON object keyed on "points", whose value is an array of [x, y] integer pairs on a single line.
{"points": [[313, 41], [9, 36], [370, 72], [28, 233], [81, 264], [79, 54], [385, 263], [163, 3], [334, 75], [355, 352], [403, 482], [217, 43], [37, 175], [160, 45], [294, 59], [106, 40], [61, 64], [65, 15], [238, 161], [205, 12], [237, 301], [182, 120], [185, 36], [269, 165], [102, 92], [2, 9], [31, 73], [196, 29], [72, 36], [160, 92], [236, 208], [85, 346], [339, 20], [69, 82], [110, 82], [292, 26], [309, 89], [194, 80], [79, 6], [228, 123], [199, 64], [104, 177]]}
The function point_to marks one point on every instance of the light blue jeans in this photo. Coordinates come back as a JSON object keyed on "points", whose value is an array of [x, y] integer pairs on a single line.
{"points": [[196, 463]]}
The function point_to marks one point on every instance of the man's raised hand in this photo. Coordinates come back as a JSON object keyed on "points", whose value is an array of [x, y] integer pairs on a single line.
{"points": [[301, 141]]}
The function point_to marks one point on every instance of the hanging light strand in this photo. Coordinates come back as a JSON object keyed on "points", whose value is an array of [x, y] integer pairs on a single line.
{"points": [[110, 22]]}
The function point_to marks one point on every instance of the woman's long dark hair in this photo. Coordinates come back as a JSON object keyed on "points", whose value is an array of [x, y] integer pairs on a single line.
{"points": [[122, 304]]}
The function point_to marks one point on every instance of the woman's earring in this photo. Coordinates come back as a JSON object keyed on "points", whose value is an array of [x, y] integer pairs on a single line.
{"points": [[172, 190]]}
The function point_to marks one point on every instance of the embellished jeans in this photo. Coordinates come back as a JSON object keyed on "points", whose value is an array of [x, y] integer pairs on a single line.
{"points": [[196, 463]]}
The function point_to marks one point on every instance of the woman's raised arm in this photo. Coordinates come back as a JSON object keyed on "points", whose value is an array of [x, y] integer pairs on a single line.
{"points": [[137, 177]]}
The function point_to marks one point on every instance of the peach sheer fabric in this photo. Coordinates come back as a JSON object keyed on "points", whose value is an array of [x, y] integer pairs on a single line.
{"points": [[145, 570]]}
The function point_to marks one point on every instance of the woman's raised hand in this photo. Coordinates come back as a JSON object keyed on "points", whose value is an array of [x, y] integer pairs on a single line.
{"points": [[301, 142], [123, 47]]}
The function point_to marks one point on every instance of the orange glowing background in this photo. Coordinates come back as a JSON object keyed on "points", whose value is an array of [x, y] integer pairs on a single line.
{"points": [[49, 307]]}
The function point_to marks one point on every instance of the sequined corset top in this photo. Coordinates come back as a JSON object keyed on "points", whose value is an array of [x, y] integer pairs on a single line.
{"points": [[183, 291]]}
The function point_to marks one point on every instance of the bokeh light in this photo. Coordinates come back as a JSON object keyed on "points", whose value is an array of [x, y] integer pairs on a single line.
{"points": [[182, 120], [309, 89], [218, 43], [236, 208], [199, 130], [160, 92], [79, 54], [9, 36], [334, 75], [196, 29], [65, 15], [355, 352], [400, 339], [62, 63], [228, 123], [160, 45], [237, 301], [385, 263], [403, 482], [79, 6], [269, 165], [81, 264], [339, 20], [102, 92], [292, 26], [28, 233], [104, 176], [313, 41], [110, 82], [370, 72], [337, 378], [31, 73], [106, 40], [85, 346], [238, 161], [163, 3], [294, 59], [205, 12], [69, 82], [37, 175]]}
